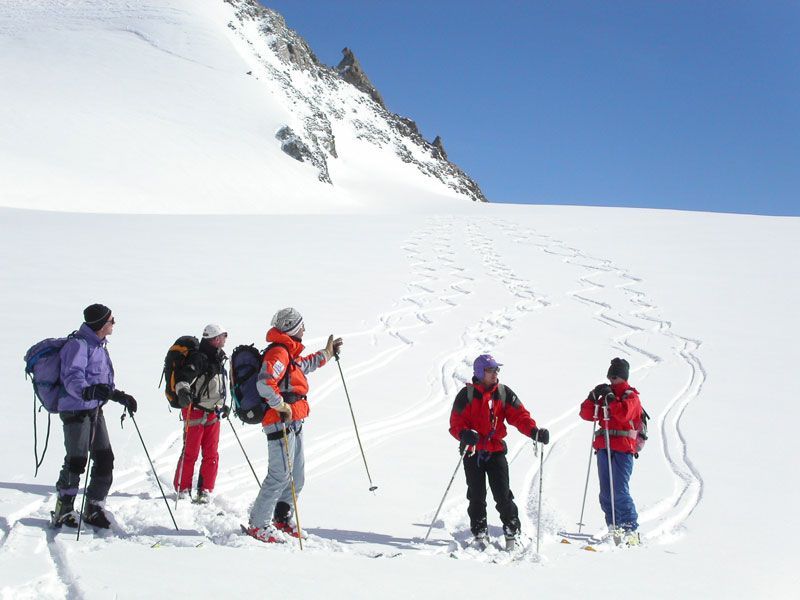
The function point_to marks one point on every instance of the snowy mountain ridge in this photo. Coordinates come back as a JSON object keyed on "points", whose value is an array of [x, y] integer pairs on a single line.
{"points": [[372, 121], [203, 105]]}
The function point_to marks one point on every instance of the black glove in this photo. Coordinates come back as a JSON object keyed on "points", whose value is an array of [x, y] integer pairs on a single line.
{"points": [[184, 397], [98, 391], [224, 411], [540, 435], [468, 437], [126, 400], [601, 392]]}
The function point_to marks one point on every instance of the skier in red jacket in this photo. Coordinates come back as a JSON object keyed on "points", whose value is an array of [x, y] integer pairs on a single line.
{"points": [[624, 412], [478, 420]]}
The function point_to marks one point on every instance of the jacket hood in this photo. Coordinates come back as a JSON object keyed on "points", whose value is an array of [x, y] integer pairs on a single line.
{"points": [[276, 336]]}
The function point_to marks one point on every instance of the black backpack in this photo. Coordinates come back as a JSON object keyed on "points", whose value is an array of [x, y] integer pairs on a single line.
{"points": [[173, 361]]}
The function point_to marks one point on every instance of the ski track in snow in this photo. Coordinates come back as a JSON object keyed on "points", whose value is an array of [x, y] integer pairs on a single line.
{"points": [[664, 519], [439, 284]]}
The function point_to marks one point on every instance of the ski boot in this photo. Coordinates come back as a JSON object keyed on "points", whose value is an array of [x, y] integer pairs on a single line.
{"points": [[289, 528], [511, 533], [480, 531], [283, 520], [630, 538], [203, 497], [65, 513], [268, 534], [481, 540], [95, 516]]}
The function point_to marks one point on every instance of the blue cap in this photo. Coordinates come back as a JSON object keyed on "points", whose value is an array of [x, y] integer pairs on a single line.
{"points": [[483, 362]]}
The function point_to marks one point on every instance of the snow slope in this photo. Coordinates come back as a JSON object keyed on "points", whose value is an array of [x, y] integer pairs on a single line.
{"points": [[113, 110], [117, 106], [702, 305]]}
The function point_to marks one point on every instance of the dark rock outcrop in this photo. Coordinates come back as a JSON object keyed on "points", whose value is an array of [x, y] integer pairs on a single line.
{"points": [[438, 148], [295, 147], [350, 70], [323, 105]]}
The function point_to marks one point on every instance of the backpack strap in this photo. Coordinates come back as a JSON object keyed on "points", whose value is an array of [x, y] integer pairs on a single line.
{"points": [[470, 392], [628, 433], [209, 376], [292, 364], [38, 460], [502, 392]]}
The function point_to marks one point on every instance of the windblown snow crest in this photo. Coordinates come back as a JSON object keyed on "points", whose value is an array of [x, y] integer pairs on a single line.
{"points": [[336, 95]]}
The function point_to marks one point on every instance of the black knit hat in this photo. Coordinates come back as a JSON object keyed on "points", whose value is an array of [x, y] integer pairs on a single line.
{"points": [[96, 315], [619, 368]]}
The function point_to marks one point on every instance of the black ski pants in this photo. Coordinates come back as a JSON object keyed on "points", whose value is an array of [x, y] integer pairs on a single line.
{"points": [[494, 465], [81, 430]]}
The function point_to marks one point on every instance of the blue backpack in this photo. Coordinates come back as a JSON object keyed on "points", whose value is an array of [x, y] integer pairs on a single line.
{"points": [[246, 361], [43, 366], [248, 405]]}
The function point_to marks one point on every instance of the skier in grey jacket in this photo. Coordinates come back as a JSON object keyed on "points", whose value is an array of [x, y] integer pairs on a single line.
{"points": [[200, 386]]}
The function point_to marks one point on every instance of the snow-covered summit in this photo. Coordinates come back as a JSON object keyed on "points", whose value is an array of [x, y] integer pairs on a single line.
{"points": [[209, 106]]}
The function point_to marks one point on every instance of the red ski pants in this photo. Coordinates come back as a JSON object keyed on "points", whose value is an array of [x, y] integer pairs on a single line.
{"points": [[202, 433]]}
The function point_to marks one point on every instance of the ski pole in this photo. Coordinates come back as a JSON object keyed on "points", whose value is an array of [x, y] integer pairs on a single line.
{"points": [[158, 481], [541, 476], [247, 458], [290, 466], [372, 487], [183, 455], [588, 467], [610, 472], [460, 457], [88, 470]]}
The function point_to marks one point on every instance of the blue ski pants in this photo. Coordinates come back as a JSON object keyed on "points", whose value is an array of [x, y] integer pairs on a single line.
{"points": [[621, 469]]}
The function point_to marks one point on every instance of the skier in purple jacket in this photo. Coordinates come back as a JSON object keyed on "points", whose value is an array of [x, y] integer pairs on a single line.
{"points": [[88, 379]]}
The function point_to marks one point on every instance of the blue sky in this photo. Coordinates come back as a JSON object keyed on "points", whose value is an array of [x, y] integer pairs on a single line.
{"points": [[689, 105]]}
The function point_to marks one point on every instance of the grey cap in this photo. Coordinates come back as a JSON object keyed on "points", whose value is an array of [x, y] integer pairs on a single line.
{"points": [[288, 320]]}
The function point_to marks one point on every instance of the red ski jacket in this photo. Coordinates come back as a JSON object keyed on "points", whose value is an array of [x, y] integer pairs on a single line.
{"points": [[273, 384], [624, 413], [486, 411]]}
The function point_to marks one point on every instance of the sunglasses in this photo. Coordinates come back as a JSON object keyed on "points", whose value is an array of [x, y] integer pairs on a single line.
{"points": [[491, 370], [111, 320]]}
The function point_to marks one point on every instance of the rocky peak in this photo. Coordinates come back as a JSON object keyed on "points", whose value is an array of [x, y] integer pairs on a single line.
{"points": [[438, 148], [350, 70], [312, 139]]}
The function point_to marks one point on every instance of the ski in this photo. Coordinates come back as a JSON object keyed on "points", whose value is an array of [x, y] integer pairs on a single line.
{"points": [[587, 541], [567, 537]]}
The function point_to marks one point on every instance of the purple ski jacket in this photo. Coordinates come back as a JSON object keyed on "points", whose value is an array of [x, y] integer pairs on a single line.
{"points": [[84, 362]]}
